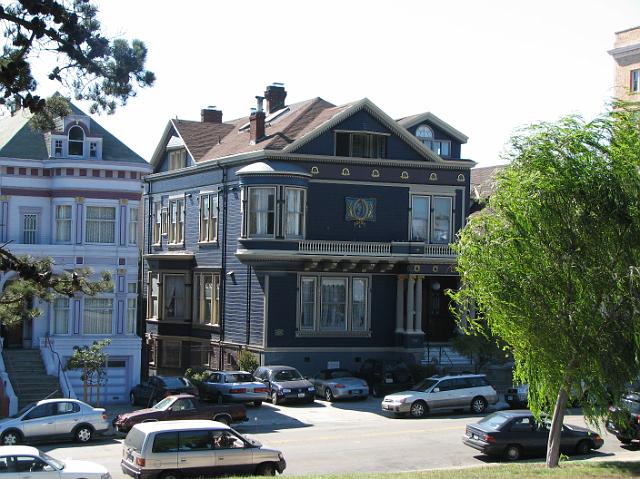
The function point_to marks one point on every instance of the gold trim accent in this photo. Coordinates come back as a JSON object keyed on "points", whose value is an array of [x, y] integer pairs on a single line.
{"points": [[315, 170], [435, 268], [461, 178], [433, 176], [404, 175], [375, 174], [79, 199], [124, 201], [4, 197], [346, 172]]}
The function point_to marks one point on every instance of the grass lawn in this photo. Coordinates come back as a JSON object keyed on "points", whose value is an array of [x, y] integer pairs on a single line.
{"points": [[602, 470]]}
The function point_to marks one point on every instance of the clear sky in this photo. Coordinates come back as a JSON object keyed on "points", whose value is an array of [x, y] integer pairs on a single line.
{"points": [[485, 67]]}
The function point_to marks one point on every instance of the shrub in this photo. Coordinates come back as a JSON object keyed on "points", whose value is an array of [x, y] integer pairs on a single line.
{"points": [[247, 361], [196, 376]]}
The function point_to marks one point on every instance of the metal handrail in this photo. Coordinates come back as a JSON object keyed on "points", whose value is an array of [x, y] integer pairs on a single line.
{"points": [[47, 341]]}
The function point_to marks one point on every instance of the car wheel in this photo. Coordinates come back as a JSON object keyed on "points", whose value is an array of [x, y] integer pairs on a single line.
{"points": [[583, 447], [132, 399], [83, 434], [512, 452], [257, 403], [418, 409], [274, 398], [624, 440], [170, 475], [266, 469], [328, 395], [11, 438], [478, 405]]}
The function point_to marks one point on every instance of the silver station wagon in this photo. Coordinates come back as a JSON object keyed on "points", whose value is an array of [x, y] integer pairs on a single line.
{"points": [[53, 418], [465, 391]]}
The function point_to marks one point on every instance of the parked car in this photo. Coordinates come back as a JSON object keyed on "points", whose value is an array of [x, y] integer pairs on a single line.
{"points": [[27, 461], [52, 419], [233, 386], [465, 391], [513, 434], [384, 377], [174, 449], [339, 383], [285, 384], [624, 421], [182, 406], [157, 387], [517, 397]]}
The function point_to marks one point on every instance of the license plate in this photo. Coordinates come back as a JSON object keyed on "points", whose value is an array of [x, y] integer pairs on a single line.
{"points": [[300, 395], [388, 380], [357, 391], [384, 406], [510, 398]]}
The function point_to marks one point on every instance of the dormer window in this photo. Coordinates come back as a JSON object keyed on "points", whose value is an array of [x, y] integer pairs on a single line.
{"points": [[93, 150], [57, 148], [177, 159], [76, 141], [440, 147], [361, 145]]}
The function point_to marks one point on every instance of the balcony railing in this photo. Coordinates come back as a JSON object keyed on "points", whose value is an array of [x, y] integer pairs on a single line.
{"points": [[360, 248]]}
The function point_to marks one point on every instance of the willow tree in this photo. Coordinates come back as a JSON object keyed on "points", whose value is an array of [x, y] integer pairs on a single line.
{"points": [[552, 263]]}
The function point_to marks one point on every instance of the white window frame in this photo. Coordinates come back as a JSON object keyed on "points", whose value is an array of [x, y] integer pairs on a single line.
{"points": [[100, 221], [165, 298], [131, 318], [428, 218], [433, 219], [134, 214], [157, 223], [425, 134], [108, 307], [66, 222], [200, 299], [634, 80], [177, 159], [74, 142], [208, 232], [176, 220], [55, 310], [267, 212], [58, 148], [151, 298], [93, 149], [299, 213], [30, 227]]}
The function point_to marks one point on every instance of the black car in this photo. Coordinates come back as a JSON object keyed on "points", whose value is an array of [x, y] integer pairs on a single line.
{"points": [[385, 377], [158, 387], [624, 421], [514, 434], [285, 384]]}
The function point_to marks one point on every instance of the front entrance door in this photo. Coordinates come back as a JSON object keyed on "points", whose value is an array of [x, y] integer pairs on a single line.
{"points": [[18, 335], [438, 323]]}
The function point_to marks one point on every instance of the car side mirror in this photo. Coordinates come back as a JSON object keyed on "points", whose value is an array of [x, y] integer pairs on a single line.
{"points": [[436, 390]]}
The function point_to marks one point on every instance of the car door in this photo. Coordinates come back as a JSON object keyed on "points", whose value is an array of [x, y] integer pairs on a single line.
{"points": [[440, 395], [529, 434], [214, 385], [232, 455], [196, 455], [68, 415], [39, 422], [183, 408], [30, 467], [164, 451]]}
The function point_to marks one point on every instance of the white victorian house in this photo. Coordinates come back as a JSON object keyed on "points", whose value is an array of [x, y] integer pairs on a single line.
{"points": [[74, 195]]}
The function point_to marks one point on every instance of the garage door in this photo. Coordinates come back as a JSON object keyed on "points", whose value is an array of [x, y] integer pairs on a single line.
{"points": [[114, 390]]}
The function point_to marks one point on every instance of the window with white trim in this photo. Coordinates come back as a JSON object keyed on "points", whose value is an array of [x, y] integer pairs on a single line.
{"points": [[177, 159], [76, 141], [171, 356], [420, 209], [61, 316], [153, 295], [29, 228], [207, 298], [133, 226], [262, 211], [63, 224], [208, 217], [176, 221], [361, 145], [441, 224], [98, 316], [431, 219], [440, 147], [57, 148], [174, 296], [132, 308], [635, 81], [93, 149], [294, 206], [157, 222], [334, 304], [100, 224]]}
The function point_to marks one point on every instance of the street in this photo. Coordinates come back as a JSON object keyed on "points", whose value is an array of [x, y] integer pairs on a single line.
{"points": [[345, 437]]}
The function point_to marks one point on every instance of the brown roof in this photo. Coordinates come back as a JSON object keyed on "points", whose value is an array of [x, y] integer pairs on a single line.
{"points": [[483, 181], [210, 141]]}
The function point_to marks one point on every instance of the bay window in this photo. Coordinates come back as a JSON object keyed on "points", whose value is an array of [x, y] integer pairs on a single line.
{"points": [[61, 316], [262, 213], [97, 317], [294, 212], [154, 290], [171, 356], [307, 303], [157, 222], [207, 299], [63, 223], [100, 224], [208, 217], [174, 296], [359, 296]]}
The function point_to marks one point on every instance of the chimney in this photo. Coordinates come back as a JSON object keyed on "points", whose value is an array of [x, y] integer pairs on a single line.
{"points": [[275, 95], [211, 114], [256, 122]]}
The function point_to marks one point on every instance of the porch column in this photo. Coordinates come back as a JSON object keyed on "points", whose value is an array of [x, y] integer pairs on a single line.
{"points": [[410, 303], [400, 306], [417, 324]]}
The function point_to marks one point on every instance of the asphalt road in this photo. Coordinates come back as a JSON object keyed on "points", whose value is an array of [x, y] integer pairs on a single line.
{"points": [[347, 437]]}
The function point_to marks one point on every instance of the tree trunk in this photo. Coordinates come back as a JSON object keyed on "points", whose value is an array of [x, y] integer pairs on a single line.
{"points": [[84, 383], [553, 446]]}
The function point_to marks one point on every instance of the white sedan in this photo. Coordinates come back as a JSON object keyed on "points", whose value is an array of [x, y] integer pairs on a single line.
{"points": [[29, 462]]}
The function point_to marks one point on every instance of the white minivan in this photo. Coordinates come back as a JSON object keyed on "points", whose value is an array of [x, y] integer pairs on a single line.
{"points": [[171, 449]]}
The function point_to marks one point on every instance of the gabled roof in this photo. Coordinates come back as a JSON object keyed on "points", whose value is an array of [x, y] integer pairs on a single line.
{"points": [[297, 125], [428, 117], [483, 181], [18, 139]]}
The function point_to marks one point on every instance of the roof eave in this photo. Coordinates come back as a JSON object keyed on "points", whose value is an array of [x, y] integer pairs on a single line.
{"points": [[443, 125]]}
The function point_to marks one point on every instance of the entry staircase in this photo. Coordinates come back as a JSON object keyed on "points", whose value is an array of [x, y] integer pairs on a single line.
{"points": [[28, 376]]}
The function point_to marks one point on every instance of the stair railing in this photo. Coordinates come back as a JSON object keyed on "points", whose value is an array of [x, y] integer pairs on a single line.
{"points": [[61, 375]]}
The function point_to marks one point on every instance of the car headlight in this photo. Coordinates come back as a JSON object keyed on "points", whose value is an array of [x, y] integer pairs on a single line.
{"points": [[312, 389], [286, 391]]}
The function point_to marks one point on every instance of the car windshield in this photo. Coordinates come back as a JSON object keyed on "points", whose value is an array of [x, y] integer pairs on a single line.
{"points": [[340, 373], [631, 406], [23, 410], [171, 382], [287, 375], [424, 385], [164, 404], [238, 378], [134, 439], [54, 462], [494, 420]]}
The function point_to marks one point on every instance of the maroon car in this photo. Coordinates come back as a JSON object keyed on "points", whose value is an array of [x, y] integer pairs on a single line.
{"points": [[182, 406]]}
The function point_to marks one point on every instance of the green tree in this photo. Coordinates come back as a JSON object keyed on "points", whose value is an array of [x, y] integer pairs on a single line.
{"points": [[92, 361], [247, 361], [68, 33], [482, 347], [552, 262]]}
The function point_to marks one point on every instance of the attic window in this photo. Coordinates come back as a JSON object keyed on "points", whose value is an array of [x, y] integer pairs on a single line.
{"points": [[440, 147], [177, 159], [361, 145], [76, 141]]}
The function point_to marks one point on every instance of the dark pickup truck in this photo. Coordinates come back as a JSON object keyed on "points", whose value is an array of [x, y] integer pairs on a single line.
{"points": [[182, 406]]}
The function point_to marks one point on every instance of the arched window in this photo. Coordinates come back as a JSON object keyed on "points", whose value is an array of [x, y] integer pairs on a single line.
{"points": [[76, 141], [424, 134]]}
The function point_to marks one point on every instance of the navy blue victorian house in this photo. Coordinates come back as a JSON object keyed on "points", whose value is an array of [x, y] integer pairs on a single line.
{"points": [[306, 233]]}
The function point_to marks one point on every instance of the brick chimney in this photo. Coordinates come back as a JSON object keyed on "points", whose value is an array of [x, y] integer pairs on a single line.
{"points": [[256, 122], [275, 95], [211, 114]]}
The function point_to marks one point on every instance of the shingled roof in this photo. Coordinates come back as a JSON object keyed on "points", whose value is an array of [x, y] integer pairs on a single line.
{"points": [[483, 181]]}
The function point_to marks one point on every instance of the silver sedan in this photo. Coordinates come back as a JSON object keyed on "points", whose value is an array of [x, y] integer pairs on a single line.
{"points": [[233, 386], [339, 383]]}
